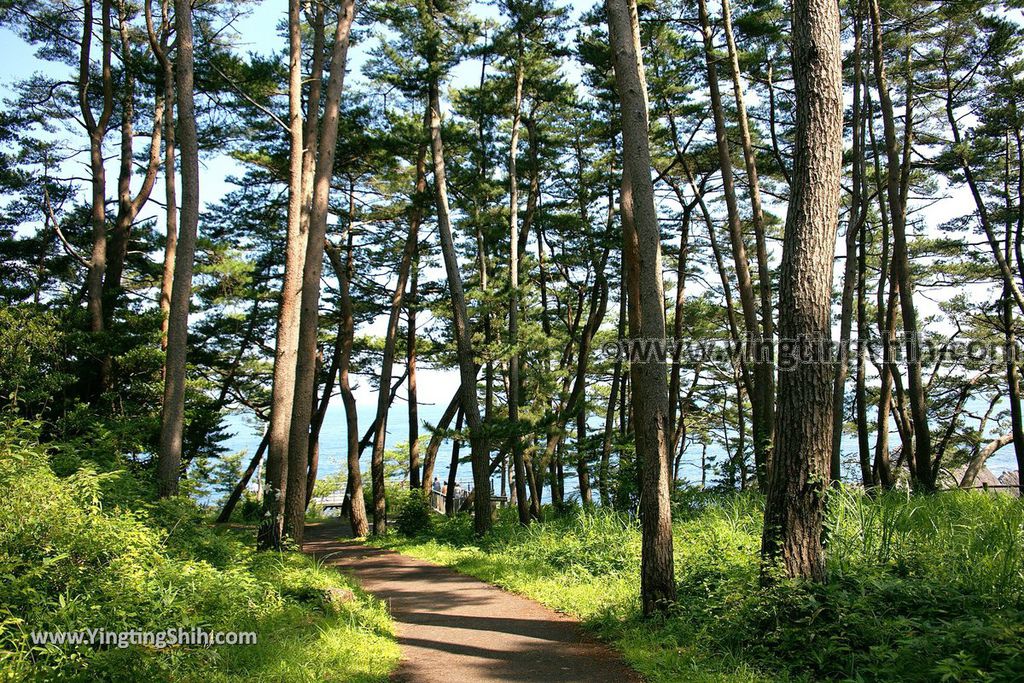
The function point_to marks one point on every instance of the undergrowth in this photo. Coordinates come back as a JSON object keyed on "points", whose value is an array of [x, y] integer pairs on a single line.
{"points": [[919, 588], [71, 561]]}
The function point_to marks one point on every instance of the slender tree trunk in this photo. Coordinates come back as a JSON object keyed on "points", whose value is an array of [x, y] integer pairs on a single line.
{"points": [[172, 419], [795, 505], [850, 275], [453, 468], [604, 471], [344, 272], [922, 457], [522, 504], [642, 251], [437, 438], [96, 128], [305, 357], [236, 493], [171, 211], [388, 360], [757, 218], [159, 44], [283, 390], [762, 392], [415, 480], [863, 338], [128, 207], [460, 322]]}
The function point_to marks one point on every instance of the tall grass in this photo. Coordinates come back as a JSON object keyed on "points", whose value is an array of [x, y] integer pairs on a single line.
{"points": [[919, 588], [69, 561]]}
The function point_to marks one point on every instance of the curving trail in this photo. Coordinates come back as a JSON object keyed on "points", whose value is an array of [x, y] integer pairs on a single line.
{"points": [[452, 627]]}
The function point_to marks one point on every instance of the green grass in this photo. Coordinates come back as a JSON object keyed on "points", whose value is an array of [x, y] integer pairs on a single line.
{"points": [[920, 588], [69, 561]]}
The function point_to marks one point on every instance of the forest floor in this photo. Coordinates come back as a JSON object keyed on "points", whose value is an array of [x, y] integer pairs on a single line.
{"points": [[453, 627]]}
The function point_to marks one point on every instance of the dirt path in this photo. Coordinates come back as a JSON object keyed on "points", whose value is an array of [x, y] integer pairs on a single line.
{"points": [[453, 628]]}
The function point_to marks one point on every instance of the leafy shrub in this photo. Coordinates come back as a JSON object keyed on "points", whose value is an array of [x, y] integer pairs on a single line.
{"points": [[415, 516]]}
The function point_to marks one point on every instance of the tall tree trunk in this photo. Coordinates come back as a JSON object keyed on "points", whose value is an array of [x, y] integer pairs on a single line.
{"points": [[171, 211], [642, 251], [172, 419], [97, 131], [159, 44], [305, 357], [283, 389], [415, 480], [863, 338], [922, 458], [850, 275], [762, 392], [522, 504], [757, 218], [460, 320], [128, 207], [604, 471], [795, 504]]}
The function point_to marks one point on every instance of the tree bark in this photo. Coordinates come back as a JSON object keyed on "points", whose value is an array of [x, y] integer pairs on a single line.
{"points": [[172, 419], [642, 251], [344, 273], [763, 389], [460, 320], [850, 274], [305, 356], [921, 463], [283, 388], [795, 503]]}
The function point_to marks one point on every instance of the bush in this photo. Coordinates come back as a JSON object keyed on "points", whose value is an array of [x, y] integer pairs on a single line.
{"points": [[415, 517]]}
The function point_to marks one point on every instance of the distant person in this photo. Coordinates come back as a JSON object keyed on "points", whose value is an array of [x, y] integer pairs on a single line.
{"points": [[436, 486], [444, 489]]}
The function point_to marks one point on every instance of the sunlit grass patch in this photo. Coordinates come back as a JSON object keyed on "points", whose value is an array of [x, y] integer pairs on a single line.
{"points": [[920, 588]]}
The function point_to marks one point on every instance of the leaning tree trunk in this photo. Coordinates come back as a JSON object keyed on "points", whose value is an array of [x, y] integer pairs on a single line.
{"points": [[460, 321], [642, 250], [798, 479], [305, 356], [388, 360], [172, 419], [236, 493]]}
